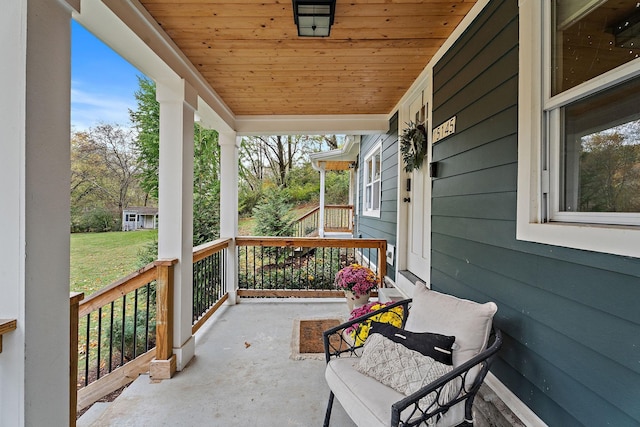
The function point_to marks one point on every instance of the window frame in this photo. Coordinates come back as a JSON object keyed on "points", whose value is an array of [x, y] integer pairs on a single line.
{"points": [[366, 185], [538, 152]]}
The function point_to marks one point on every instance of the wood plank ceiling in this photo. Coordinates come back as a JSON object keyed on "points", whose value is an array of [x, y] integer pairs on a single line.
{"points": [[251, 55]]}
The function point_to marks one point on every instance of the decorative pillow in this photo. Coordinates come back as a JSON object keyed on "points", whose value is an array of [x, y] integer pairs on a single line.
{"points": [[405, 370], [426, 343], [468, 321], [360, 331]]}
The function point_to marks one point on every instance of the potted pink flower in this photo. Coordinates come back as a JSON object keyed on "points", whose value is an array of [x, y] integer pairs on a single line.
{"points": [[356, 281]]}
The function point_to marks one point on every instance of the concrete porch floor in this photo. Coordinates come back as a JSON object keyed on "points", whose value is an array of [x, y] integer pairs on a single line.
{"points": [[242, 375]]}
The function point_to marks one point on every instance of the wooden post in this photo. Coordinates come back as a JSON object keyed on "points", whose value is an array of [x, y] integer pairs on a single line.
{"points": [[382, 262], [74, 303], [7, 325], [164, 365]]}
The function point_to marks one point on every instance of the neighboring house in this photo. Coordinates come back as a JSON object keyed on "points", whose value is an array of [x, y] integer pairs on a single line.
{"points": [[139, 218], [499, 222]]}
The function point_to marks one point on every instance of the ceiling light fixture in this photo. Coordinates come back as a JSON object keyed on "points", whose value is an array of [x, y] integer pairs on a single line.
{"points": [[314, 17]]}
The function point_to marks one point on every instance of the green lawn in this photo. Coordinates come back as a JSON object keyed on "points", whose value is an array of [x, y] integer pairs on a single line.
{"points": [[99, 259]]}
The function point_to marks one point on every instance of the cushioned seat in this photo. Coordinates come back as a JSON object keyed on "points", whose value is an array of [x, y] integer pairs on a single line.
{"points": [[365, 409], [369, 402]]}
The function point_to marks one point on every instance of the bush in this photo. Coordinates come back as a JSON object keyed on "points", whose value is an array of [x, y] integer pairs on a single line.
{"points": [[247, 201], [96, 220], [337, 188], [273, 216]]}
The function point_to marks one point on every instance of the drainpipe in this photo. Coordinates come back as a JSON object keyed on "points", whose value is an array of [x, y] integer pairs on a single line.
{"points": [[323, 173]]}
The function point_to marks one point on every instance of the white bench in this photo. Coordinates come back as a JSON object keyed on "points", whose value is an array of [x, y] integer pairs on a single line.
{"points": [[370, 403]]}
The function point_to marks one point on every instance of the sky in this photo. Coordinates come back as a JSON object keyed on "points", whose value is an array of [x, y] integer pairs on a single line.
{"points": [[102, 83]]}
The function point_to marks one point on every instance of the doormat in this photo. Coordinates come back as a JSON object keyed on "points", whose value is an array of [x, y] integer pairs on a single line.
{"points": [[307, 340]]}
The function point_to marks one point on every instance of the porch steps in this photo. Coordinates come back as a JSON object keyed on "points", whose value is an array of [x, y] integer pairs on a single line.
{"points": [[89, 417]]}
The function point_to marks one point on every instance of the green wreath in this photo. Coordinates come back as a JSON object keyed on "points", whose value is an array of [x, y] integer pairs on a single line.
{"points": [[413, 146]]}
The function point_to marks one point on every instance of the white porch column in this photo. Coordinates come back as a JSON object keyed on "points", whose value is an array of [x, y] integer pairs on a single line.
{"points": [[35, 83], [229, 147], [323, 174], [175, 199]]}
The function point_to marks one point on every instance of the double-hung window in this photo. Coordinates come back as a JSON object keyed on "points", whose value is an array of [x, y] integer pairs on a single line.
{"points": [[372, 175], [579, 124]]}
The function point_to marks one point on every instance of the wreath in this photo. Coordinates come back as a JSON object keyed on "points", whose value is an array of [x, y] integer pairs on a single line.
{"points": [[413, 146]]}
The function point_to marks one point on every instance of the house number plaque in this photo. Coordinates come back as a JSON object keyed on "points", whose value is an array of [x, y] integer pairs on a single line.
{"points": [[444, 130]]}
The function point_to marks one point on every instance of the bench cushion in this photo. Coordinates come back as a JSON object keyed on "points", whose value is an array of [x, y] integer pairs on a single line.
{"points": [[366, 400]]}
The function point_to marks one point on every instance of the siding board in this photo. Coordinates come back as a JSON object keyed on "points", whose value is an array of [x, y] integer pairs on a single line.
{"points": [[499, 206], [491, 180], [588, 326], [457, 55], [497, 153], [570, 317], [477, 111], [562, 378], [498, 126], [563, 279], [477, 85]]}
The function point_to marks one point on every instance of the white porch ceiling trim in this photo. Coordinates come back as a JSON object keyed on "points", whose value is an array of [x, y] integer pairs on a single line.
{"points": [[312, 125]]}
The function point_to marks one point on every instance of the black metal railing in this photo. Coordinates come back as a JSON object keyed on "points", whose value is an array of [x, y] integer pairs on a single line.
{"points": [[209, 279], [268, 263], [116, 325]]}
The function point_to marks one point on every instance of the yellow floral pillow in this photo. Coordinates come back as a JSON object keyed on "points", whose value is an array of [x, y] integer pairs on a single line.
{"points": [[360, 331]]}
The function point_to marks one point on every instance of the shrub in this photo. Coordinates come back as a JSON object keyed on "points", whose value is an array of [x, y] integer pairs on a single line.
{"points": [[96, 220], [273, 216]]}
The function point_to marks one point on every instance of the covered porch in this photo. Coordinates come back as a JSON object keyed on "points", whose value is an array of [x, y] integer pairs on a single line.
{"points": [[35, 167], [472, 222]]}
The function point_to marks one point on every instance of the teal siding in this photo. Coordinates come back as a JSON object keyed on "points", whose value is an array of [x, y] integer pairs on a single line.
{"points": [[571, 318], [385, 226]]}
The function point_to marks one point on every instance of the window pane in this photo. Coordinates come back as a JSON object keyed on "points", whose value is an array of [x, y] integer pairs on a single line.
{"points": [[601, 152], [592, 37], [377, 166], [368, 198], [369, 171], [376, 195]]}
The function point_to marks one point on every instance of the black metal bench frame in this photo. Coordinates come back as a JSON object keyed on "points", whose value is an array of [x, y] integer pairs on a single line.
{"points": [[407, 412]]}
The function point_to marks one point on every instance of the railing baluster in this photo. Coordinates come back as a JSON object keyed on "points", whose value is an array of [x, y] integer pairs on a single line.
{"points": [[111, 338], [99, 342], [122, 340], [87, 351], [135, 324], [146, 323]]}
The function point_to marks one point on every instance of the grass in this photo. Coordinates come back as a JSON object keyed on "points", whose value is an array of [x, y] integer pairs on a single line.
{"points": [[99, 259]]}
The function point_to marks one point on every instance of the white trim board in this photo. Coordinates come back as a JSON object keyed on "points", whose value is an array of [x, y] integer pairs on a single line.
{"points": [[522, 411]]}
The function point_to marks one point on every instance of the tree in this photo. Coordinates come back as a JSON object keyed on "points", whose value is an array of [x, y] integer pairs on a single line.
{"points": [[146, 120], [104, 175], [273, 217], [206, 186], [610, 173], [281, 161], [206, 183]]}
